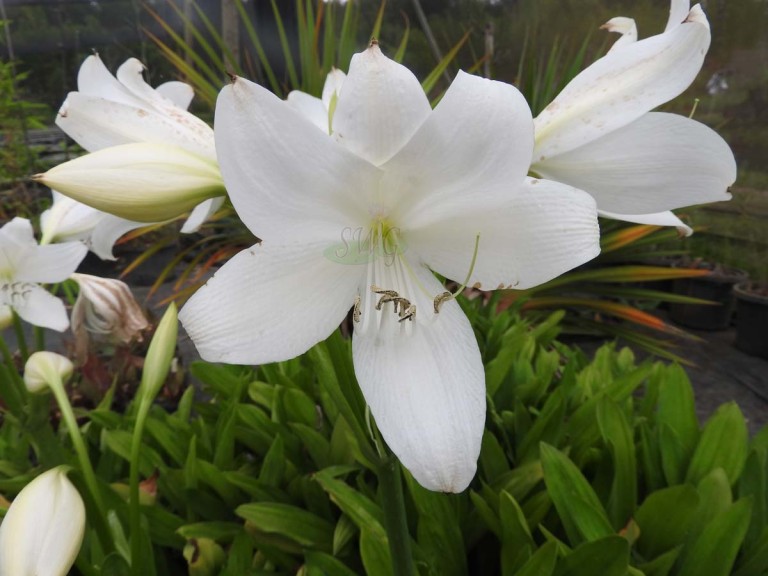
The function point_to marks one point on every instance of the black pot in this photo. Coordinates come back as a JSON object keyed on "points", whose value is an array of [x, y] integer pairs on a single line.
{"points": [[751, 319], [718, 288]]}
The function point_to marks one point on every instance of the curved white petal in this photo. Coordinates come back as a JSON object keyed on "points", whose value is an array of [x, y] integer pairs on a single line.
{"points": [[657, 163], [311, 108], [620, 87], [678, 10], [68, 219], [130, 75], [36, 306], [93, 79], [19, 232], [479, 136], [425, 385], [332, 86], [658, 219], [270, 303], [107, 232], [624, 26], [180, 93], [381, 104], [288, 181], [51, 263], [95, 123], [201, 213], [539, 232]]}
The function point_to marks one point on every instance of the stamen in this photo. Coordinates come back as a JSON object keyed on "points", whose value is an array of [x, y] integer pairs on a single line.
{"points": [[356, 313], [693, 110], [445, 296]]}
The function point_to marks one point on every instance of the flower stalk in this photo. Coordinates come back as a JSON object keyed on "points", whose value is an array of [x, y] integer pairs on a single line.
{"points": [[395, 519]]}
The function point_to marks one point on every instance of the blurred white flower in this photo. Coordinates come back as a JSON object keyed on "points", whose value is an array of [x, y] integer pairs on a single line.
{"points": [[24, 265], [360, 218], [109, 111], [106, 309], [599, 135], [43, 529]]}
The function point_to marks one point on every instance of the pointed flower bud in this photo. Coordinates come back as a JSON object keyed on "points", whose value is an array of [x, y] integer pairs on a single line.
{"points": [[43, 529], [142, 181], [43, 368]]}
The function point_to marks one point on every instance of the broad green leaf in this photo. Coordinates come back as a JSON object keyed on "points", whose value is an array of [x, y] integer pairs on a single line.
{"points": [[493, 461], [661, 565], [343, 533], [375, 554], [580, 510], [487, 514], [219, 531], [547, 427], [714, 551], [517, 544], [292, 522], [542, 563], [677, 409], [755, 559], [665, 518], [607, 557], [362, 510], [723, 444], [273, 466], [617, 435], [327, 564], [754, 483]]}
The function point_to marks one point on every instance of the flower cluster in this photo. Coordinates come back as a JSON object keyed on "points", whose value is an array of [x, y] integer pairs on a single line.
{"points": [[363, 196]]}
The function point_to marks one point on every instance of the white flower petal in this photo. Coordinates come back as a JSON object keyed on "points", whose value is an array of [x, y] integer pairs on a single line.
{"points": [[19, 232], [425, 385], [51, 263], [658, 219], [93, 79], [539, 232], [39, 308], [180, 93], [333, 83], [201, 213], [95, 123], [130, 75], [677, 12], [657, 163], [620, 87], [311, 108], [624, 26], [288, 181], [68, 219], [479, 136], [270, 303], [107, 232], [380, 106]]}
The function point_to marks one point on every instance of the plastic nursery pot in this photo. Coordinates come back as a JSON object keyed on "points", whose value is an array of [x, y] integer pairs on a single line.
{"points": [[752, 318], [716, 287]]}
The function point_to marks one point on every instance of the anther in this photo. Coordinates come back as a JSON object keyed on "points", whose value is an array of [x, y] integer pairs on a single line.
{"points": [[408, 313], [440, 299], [356, 313]]}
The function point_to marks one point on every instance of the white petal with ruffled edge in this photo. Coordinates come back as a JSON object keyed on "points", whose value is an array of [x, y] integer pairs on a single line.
{"points": [[622, 86], [270, 303], [537, 233], [478, 140], [381, 104], [288, 181], [658, 219], [425, 383], [659, 162]]}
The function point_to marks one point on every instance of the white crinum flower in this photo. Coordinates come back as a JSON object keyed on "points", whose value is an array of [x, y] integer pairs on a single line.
{"points": [[107, 112], [600, 136], [43, 529], [360, 219], [24, 264]]}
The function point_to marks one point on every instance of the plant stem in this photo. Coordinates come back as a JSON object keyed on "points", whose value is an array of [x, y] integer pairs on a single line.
{"points": [[395, 521], [20, 337], [39, 338], [57, 387], [134, 506]]}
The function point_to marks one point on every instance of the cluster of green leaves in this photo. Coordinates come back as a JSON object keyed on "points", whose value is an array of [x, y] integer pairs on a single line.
{"points": [[587, 467]]}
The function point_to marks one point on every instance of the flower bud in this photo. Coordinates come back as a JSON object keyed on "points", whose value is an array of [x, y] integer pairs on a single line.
{"points": [[43, 529], [204, 556], [105, 308], [43, 368], [139, 181], [159, 355]]}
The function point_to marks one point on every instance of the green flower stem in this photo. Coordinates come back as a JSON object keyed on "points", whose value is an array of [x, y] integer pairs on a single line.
{"points": [[134, 506], [57, 387], [20, 337], [395, 521], [39, 338]]}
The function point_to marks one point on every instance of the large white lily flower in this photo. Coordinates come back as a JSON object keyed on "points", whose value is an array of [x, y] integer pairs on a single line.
{"points": [[109, 111], [361, 218], [600, 136], [43, 529], [24, 264]]}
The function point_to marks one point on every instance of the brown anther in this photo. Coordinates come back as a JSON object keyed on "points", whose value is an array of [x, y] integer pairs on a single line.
{"points": [[440, 299]]}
